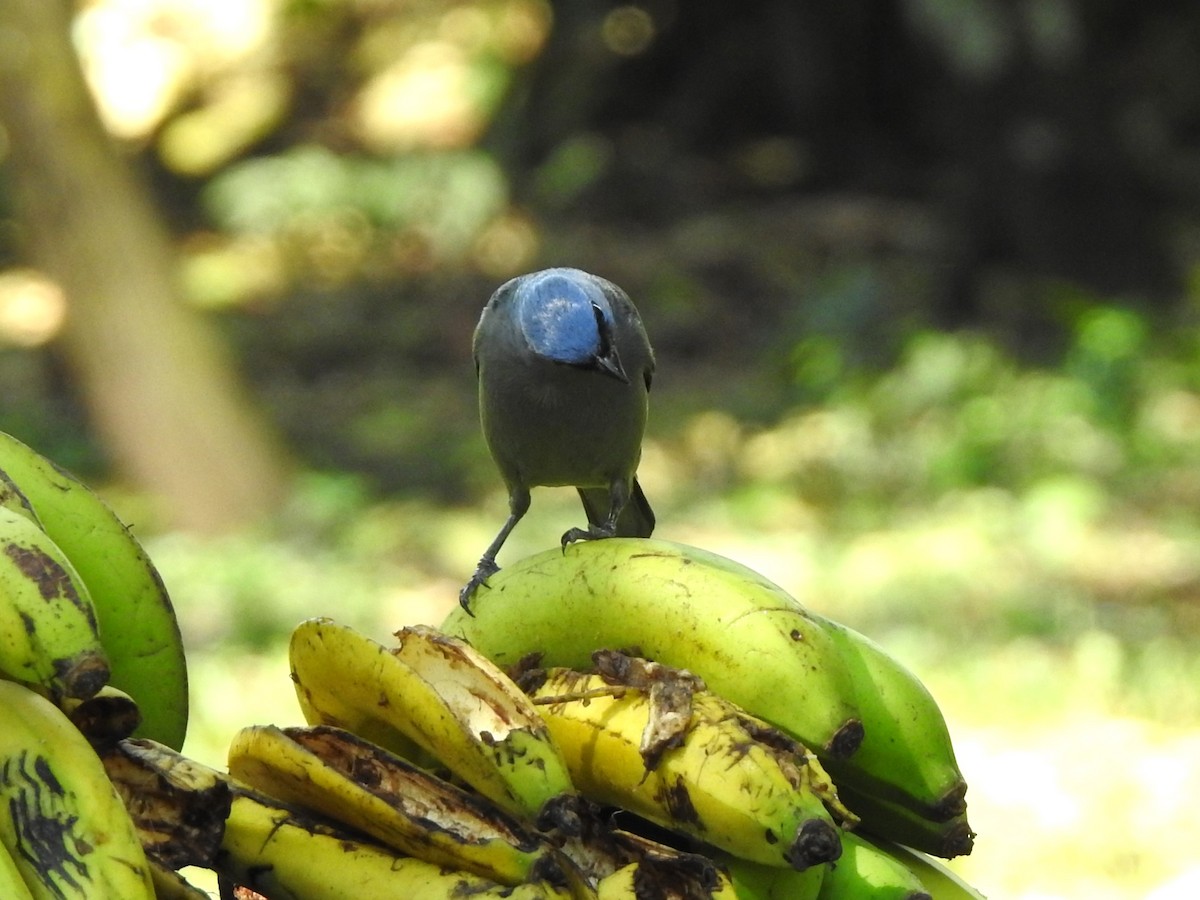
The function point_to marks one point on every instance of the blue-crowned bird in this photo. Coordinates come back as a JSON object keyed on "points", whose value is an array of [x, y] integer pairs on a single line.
{"points": [[564, 369]]}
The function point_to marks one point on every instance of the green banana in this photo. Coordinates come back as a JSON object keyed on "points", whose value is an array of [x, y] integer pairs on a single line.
{"points": [[890, 820], [48, 631], [755, 881], [941, 882], [906, 754], [287, 855], [866, 873], [60, 817], [363, 786], [717, 782], [445, 696], [137, 622], [12, 497], [12, 883], [746, 637]]}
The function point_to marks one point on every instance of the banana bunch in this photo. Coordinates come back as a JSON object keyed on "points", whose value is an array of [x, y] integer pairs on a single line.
{"points": [[64, 831], [846, 711], [81, 605], [85, 626], [618, 719], [621, 777]]}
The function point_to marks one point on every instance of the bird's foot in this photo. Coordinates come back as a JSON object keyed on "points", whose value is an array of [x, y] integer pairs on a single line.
{"points": [[485, 570], [591, 533]]}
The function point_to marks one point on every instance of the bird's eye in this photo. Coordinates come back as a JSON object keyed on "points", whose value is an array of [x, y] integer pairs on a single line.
{"points": [[603, 329]]}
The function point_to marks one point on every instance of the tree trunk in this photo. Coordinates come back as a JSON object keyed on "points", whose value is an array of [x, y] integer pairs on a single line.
{"points": [[157, 381]]}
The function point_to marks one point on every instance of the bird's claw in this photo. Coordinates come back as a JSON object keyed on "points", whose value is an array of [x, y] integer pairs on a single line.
{"points": [[485, 570], [591, 533]]}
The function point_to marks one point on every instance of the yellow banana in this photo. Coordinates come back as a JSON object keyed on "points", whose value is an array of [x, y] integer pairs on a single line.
{"points": [[866, 873], [286, 855], [171, 885], [354, 782], [12, 883], [137, 622], [48, 630], [755, 881], [620, 885], [448, 698], [941, 882], [745, 636], [892, 821], [758, 799], [633, 881], [906, 755], [60, 817]]}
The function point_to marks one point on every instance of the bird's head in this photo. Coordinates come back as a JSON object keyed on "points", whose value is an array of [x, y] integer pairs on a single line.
{"points": [[566, 317]]}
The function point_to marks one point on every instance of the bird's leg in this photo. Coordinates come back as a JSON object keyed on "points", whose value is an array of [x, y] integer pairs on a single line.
{"points": [[618, 496], [518, 505]]}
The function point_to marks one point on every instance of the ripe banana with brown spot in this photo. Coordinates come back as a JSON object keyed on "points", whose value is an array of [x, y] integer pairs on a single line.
{"points": [[634, 881], [61, 820], [730, 780], [286, 854], [49, 634], [363, 786], [443, 695]]}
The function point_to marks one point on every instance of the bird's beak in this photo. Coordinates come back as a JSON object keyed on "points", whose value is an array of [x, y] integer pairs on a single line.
{"points": [[610, 364]]}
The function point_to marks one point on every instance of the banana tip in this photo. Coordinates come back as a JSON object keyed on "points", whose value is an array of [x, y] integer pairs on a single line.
{"points": [[817, 841], [846, 740]]}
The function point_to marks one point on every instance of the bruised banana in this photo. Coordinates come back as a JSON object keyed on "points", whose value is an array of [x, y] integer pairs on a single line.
{"points": [[746, 637], [60, 817], [136, 620], [178, 806], [720, 783], [49, 635], [603, 849], [361, 785], [446, 697], [906, 754], [286, 855], [866, 873]]}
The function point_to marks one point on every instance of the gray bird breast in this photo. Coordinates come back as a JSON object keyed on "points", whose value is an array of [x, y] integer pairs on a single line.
{"points": [[547, 423]]}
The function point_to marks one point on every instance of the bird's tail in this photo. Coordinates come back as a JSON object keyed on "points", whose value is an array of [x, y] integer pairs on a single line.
{"points": [[635, 520]]}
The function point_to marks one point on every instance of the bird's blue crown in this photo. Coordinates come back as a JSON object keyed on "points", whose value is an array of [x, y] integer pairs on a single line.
{"points": [[561, 312]]}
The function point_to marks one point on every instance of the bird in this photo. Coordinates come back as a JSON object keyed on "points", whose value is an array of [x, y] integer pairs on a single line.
{"points": [[564, 367]]}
